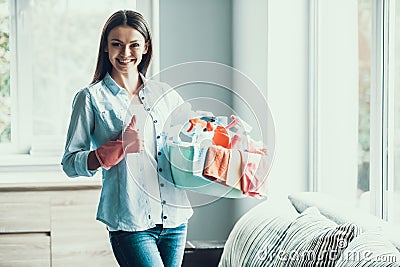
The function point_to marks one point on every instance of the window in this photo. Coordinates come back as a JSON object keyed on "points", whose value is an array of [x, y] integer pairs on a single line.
{"points": [[355, 103], [5, 106], [364, 91], [48, 51], [378, 182], [384, 187]]}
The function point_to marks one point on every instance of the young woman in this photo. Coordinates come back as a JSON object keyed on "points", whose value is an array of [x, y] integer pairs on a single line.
{"points": [[145, 214]]}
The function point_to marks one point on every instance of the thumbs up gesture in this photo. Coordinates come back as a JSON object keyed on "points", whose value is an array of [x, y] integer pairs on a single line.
{"points": [[131, 140], [112, 152]]}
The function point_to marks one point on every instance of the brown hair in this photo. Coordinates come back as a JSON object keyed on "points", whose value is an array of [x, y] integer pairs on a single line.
{"points": [[122, 17]]}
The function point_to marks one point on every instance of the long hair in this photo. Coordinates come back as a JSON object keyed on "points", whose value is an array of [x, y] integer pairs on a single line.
{"points": [[122, 17]]}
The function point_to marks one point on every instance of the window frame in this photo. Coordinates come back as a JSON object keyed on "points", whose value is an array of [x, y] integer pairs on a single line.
{"points": [[378, 122], [324, 95], [389, 52], [382, 113]]}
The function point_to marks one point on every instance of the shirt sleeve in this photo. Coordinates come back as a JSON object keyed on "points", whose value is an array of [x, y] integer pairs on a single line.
{"points": [[77, 147]]}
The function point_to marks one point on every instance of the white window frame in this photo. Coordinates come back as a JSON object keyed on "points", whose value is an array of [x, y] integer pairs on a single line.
{"points": [[14, 146], [392, 54], [333, 93], [313, 133], [378, 123], [382, 112]]}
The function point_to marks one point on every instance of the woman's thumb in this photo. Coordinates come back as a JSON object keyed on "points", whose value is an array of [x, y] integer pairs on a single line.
{"points": [[132, 123]]}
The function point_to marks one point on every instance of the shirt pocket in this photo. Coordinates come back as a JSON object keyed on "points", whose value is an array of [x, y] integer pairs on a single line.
{"points": [[112, 120]]}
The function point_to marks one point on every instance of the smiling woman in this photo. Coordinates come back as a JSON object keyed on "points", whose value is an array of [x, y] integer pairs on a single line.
{"points": [[145, 214]]}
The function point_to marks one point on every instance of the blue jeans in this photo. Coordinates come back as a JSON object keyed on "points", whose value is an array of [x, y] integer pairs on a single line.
{"points": [[155, 247]]}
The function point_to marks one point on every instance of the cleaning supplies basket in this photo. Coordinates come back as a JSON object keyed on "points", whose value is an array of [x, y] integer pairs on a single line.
{"points": [[187, 162]]}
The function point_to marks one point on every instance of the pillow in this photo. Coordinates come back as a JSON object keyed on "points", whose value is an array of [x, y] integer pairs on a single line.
{"points": [[261, 228], [333, 209], [369, 249], [313, 240]]}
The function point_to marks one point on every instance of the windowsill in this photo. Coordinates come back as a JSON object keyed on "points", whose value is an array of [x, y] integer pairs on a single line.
{"points": [[21, 160], [28, 169], [46, 177]]}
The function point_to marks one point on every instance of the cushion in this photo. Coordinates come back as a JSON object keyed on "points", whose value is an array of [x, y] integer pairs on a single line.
{"points": [[262, 226], [332, 208], [369, 249], [313, 240]]}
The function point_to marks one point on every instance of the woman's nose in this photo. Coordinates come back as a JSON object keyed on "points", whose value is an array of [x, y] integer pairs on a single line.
{"points": [[126, 51]]}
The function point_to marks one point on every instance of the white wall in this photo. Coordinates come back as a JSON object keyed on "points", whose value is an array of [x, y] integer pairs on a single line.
{"points": [[192, 30], [288, 23], [270, 44]]}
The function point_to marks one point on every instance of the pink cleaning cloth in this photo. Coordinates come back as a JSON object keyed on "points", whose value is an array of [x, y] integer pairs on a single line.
{"points": [[216, 164], [234, 170], [254, 174]]}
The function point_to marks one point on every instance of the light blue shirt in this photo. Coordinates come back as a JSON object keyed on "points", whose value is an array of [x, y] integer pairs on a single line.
{"points": [[99, 115]]}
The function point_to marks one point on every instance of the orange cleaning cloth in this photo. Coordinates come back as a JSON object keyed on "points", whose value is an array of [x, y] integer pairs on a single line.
{"points": [[217, 163]]}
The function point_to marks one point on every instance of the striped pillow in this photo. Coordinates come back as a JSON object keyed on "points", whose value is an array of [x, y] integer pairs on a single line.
{"points": [[256, 236], [369, 249], [314, 240], [332, 208]]}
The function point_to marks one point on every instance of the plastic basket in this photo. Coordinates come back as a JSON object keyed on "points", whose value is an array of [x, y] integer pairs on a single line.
{"points": [[182, 161]]}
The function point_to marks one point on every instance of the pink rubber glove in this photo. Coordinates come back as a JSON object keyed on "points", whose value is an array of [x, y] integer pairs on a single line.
{"points": [[112, 152]]}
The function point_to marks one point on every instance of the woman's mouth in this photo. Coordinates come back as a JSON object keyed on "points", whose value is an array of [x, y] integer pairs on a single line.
{"points": [[125, 61]]}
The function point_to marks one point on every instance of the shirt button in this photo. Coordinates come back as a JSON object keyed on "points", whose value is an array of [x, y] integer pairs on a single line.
{"points": [[164, 202], [159, 153], [148, 109], [142, 97], [158, 137], [160, 169], [149, 216], [165, 217], [155, 121], [162, 185]]}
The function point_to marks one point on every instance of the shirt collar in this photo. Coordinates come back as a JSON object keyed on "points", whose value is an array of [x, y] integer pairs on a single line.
{"points": [[144, 80], [114, 87]]}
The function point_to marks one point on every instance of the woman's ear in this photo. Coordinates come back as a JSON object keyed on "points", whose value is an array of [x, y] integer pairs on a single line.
{"points": [[146, 48]]}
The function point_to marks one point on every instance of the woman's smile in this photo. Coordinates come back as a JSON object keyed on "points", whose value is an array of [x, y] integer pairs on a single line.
{"points": [[125, 61]]}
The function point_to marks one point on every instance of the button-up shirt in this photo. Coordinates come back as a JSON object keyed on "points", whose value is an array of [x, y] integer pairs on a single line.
{"points": [[99, 114]]}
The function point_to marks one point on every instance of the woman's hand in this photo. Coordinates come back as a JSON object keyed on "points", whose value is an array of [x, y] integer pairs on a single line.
{"points": [[112, 152], [131, 140], [92, 161]]}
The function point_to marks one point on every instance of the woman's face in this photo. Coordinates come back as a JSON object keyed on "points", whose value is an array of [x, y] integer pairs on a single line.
{"points": [[125, 47]]}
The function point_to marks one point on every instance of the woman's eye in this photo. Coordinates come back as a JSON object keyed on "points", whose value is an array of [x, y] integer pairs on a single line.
{"points": [[116, 44], [135, 45]]}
